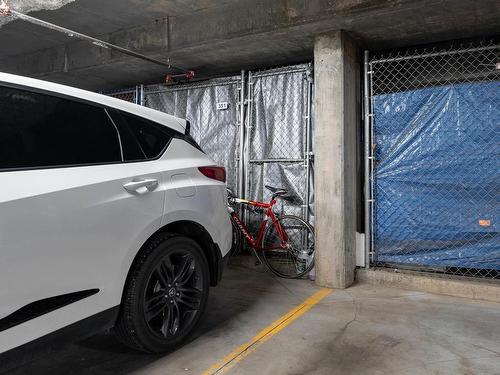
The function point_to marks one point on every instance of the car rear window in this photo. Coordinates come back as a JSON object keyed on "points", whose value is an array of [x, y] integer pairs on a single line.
{"points": [[152, 138]]}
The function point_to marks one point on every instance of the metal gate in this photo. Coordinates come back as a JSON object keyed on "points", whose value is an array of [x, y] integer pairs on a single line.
{"points": [[432, 166], [279, 149]]}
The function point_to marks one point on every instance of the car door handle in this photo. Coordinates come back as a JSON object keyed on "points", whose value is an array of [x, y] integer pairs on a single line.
{"points": [[141, 185]]}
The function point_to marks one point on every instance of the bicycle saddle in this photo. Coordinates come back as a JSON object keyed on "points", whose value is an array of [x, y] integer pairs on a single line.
{"points": [[275, 190]]}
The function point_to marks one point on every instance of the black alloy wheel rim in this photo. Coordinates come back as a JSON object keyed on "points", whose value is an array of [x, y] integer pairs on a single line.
{"points": [[173, 294]]}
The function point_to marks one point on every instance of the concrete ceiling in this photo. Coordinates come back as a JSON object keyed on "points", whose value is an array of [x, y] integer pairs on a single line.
{"points": [[92, 17], [216, 37]]}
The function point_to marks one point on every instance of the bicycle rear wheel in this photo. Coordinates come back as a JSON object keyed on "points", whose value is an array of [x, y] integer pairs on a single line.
{"points": [[297, 258]]}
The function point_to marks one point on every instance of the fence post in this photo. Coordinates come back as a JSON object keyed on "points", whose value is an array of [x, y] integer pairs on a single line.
{"points": [[309, 153], [242, 160], [141, 100], [248, 134], [366, 112]]}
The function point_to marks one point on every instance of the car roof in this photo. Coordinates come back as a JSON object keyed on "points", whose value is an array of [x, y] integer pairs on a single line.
{"points": [[170, 121]]}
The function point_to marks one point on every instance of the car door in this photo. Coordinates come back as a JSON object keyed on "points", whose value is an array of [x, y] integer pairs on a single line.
{"points": [[71, 209]]}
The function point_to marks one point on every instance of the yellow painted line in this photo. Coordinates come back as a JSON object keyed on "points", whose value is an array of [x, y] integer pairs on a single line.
{"points": [[244, 350]]}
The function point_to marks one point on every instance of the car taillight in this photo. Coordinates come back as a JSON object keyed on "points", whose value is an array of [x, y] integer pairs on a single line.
{"points": [[216, 173]]}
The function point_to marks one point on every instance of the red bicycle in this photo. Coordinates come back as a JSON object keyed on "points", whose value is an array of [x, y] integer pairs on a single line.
{"points": [[286, 243]]}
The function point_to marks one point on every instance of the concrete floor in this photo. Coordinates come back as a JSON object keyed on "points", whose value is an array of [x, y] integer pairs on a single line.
{"points": [[361, 330]]}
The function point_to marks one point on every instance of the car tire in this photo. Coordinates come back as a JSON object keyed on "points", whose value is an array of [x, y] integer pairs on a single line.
{"points": [[165, 295]]}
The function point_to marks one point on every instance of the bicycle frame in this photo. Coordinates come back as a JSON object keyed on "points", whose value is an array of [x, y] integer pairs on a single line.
{"points": [[256, 243]]}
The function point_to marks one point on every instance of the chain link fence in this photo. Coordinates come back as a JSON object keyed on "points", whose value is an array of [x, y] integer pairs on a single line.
{"points": [[130, 95], [432, 159], [279, 150]]}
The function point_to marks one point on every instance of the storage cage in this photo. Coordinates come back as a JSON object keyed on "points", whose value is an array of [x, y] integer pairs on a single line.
{"points": [[431, 159], [258, 125]]}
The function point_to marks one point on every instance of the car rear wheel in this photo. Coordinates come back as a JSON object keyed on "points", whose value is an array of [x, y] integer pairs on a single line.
{"points": [[165, 295]]}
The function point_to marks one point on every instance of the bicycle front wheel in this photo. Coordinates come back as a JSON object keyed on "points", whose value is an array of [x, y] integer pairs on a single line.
{"points": [[236, 244], [295, 257]]}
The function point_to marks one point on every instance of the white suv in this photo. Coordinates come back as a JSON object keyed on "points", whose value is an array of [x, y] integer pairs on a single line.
{"points": [[110, 216]]}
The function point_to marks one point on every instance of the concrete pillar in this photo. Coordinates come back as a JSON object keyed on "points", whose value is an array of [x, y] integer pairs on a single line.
{"points": [[337, 95]]}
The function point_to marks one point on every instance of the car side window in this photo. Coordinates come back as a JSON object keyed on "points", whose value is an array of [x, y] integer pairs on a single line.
{"points": [[40, 130], [152, 138]]}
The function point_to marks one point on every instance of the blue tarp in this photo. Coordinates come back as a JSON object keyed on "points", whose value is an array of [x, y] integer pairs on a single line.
{"points": [[437, 178]]}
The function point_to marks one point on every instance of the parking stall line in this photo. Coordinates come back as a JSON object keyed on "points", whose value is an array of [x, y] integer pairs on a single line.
{"points": [[278, 325]]}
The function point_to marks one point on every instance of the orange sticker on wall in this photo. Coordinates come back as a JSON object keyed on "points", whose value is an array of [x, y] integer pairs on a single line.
{"points": [[484, 223]]}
